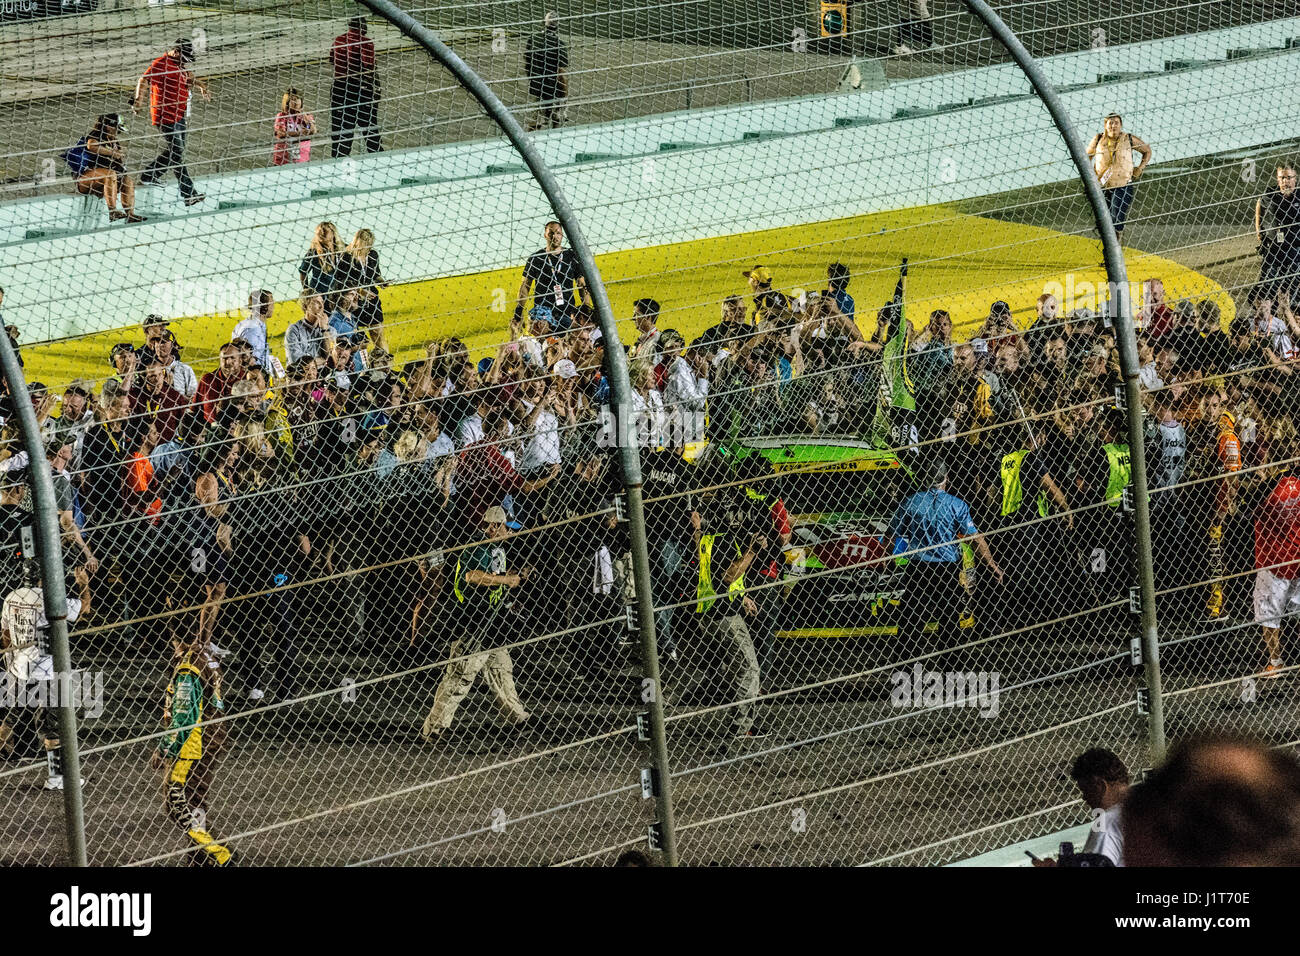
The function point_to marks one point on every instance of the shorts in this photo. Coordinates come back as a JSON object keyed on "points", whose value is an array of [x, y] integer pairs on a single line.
{"points": [[1275, 598], [209, 565]]}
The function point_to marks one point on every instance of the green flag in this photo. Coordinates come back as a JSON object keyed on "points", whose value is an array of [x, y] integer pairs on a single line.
{"points": [[896, 386]]}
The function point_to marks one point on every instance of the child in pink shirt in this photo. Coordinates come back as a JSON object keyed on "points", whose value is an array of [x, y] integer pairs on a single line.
{"points": [[292, 127]]}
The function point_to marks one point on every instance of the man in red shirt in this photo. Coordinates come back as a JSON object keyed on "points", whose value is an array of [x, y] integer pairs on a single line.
{"points": [[354, 96], [169, 79], [1277, 564], [215, 386]]}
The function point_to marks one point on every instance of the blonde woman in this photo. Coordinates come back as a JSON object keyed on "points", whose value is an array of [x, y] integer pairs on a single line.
{"points": [[647, 405], [359, 270], [319, 268], [293, 127]]}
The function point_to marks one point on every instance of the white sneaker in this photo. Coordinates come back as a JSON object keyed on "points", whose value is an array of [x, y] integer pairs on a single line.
{"points": [[903, 50], [56, 782], [256, 694]]}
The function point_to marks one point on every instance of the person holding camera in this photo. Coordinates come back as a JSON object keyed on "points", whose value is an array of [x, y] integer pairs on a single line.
{"points": [[721, 606]]}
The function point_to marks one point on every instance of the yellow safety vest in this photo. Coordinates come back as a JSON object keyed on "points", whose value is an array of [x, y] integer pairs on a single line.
{"points": [[1121, 471], [1012, 492], [494, 596], [704, 588]]}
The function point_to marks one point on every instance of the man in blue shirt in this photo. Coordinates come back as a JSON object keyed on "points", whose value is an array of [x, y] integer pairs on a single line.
{"points": [[837, 275], [932, 523]]}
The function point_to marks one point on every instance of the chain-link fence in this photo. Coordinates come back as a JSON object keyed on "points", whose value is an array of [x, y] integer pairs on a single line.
{"points": [[362, 442]]}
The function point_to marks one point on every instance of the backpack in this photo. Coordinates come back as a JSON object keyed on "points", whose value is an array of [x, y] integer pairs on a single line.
{"points": [[78, 157]]}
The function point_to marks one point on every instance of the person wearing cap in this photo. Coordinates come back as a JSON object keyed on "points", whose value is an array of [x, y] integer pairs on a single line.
{"points": [[76, 415], [1112, 160], [766, 299], [556, 274], [169, 79], [481, 586], [546, 62], [354, 95]]}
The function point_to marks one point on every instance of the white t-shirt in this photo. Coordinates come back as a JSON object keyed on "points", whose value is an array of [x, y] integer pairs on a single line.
{"points": [[1106, 837], [23, 619], [470, 431], [542, 442]]}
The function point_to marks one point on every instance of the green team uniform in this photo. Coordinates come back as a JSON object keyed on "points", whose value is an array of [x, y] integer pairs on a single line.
{"points": [[190, 748]]}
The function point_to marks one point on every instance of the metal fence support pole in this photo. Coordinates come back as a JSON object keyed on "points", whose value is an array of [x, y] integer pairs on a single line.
{"points": [[620, 387], [1126, 341], [49, 551]]}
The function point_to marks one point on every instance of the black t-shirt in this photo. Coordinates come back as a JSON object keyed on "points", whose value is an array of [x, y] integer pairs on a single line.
{"points": [[1281, 213], [666, 473], [556, 277], [544, 57]]}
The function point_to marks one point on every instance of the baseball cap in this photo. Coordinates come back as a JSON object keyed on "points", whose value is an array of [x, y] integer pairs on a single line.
{"points": [[565, 369], [153, 319], [598, 338], [79, 386], [760, 273], [495, 515]]}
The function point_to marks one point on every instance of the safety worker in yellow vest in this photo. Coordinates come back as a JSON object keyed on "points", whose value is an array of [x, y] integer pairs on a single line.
{"points": [[1103, 474], [1029, 496], [481, 585], [721, 605]]}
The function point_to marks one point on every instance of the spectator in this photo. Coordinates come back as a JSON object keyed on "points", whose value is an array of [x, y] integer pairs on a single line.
{"points": [[1156, 318], [215, 386], [354, 96], [311, 336], [1112, 160], [1217, 800], [181, 377], [320, 266], [546, 64], [76, 416], [1277, 229], [358, 271], [1103, 780], [645, 315], [555, 273], [917, 32], [169, 79], [1277, 561], [261, 307], [158, 403], [293, 129], [686, 391], [837, 276], [99, 163]]}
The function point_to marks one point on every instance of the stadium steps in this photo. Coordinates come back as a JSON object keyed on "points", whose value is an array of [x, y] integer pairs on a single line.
{"points": [[758, 135], [673, 147], [1124, 76], [597, 157], [1172, 66], [1242, 53], [496, 169], [842, 122]]}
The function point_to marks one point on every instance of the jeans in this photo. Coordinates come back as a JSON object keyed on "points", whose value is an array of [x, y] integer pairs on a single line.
{"points": [[353, 106], [1119, 199], [172, 159], [276, 611], [665, 573]]}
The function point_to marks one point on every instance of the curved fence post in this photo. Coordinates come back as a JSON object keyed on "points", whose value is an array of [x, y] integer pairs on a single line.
{"points": [[1126, 341], [49, 551], [620, 387]]}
